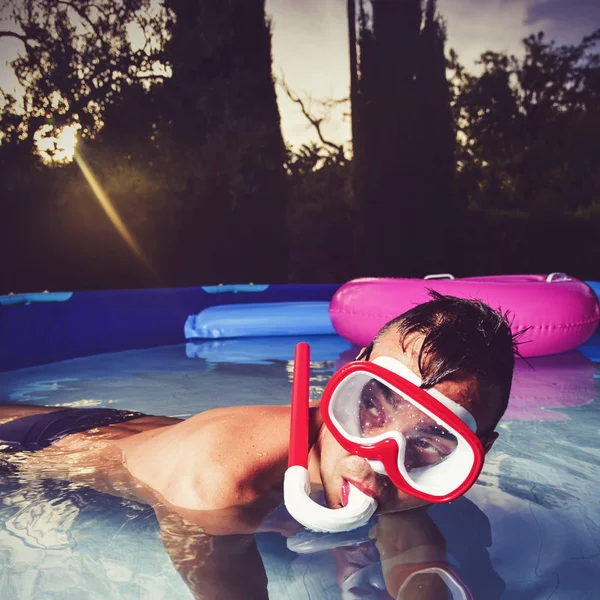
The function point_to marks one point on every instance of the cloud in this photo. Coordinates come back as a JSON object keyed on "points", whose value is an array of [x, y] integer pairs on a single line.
{"points": [[310, 49], [475, 26], [567, 20], [565, 10], [9, 48], [310, 46]]}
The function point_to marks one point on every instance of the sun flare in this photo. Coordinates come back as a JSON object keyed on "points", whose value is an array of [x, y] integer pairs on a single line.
{"points": [[56, 146]]}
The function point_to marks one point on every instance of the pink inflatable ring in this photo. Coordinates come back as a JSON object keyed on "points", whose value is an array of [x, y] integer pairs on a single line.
{"points": [[560, 312]]}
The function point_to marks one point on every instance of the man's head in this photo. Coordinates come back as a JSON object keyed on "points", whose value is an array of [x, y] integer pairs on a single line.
{"points": [[455, 339], [461, 348]]}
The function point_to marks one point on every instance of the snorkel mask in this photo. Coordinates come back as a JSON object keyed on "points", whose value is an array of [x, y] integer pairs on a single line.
{"points": [[421, 440]]}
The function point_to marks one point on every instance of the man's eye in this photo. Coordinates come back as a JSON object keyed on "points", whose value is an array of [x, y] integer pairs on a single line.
{"points": [[390, 396], [424, 444], [425, 451], [428, 448], [368, 405], [371, 413], [381, 392]]}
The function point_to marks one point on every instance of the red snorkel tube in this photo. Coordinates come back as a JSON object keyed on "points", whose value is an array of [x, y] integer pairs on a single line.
{"points": [[298, 453], [296, 485]]}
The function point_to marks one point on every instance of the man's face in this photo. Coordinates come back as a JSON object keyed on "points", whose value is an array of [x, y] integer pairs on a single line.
{"points": [[338, 467]]}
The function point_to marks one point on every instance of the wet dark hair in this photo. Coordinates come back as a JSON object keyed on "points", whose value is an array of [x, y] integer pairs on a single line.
{"points": [[460, 336]]}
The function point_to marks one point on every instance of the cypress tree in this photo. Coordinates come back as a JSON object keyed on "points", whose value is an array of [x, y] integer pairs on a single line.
{"points": [[437, 137], [225, 141], [404, 161], [386, 185]]}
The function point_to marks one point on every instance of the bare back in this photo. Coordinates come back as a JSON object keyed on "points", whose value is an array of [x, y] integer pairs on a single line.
{"points": [[216, 460]]}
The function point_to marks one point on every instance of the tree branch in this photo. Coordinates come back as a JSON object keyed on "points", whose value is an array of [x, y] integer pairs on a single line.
{"points": [[84, 16], [150, 76], [316, 123], [14, 34]]}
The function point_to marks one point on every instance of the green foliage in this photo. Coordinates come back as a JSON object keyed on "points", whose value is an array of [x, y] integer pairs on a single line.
{"points": [[498, 242], [529, 128], [322, 217], [222, 122], [180, 125], [404, 136], [194, 164]]}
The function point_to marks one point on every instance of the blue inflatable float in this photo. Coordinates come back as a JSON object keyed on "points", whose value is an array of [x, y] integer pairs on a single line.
{"points": [[260, 320]]}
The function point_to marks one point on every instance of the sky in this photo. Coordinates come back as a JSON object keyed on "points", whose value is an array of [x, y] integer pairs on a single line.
{"points": [[310, 46]]}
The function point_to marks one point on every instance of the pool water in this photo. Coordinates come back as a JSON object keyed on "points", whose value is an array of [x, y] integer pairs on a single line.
{"points": [[529, 529]]}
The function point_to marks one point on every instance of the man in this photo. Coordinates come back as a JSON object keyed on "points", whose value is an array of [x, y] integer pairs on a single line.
{"points": [[223, 469], [237, 457]]}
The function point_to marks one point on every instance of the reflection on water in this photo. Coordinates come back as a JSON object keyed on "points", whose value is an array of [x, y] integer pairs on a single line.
{"points": [[65, 540], [265, 350], [528, 530], [551, 382]]}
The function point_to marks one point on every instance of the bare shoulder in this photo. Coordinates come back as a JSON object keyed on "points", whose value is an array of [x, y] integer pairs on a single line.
{"points": [[225, 421], [239, 437], [244, 448], [223, 457]]}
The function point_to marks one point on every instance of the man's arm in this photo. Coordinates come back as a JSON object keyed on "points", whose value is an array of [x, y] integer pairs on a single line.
{"points": [[213, 567]]}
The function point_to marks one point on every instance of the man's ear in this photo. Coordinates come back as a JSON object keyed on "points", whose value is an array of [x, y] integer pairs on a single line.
{"points": [[361, 354], [489, 441], [365, 353]]}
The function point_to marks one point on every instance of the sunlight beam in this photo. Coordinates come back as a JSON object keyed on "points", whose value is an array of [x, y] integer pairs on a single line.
{"points": [[109, 209]]}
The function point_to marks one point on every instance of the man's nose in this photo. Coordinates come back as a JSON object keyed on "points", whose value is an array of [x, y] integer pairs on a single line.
{"points": [[374, 478]]}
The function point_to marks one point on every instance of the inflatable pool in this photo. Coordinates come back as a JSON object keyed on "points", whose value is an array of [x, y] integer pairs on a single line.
{"points": [[559, 312], [526, 531]]}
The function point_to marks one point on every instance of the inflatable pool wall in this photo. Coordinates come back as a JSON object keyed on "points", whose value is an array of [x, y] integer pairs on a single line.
{"points": [[558, 312], [40, 328]]}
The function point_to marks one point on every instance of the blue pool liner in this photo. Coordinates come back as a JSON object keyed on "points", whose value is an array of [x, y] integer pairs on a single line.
{"points": [[591, 348], [595, 285], [111, 321], [251, 320]]}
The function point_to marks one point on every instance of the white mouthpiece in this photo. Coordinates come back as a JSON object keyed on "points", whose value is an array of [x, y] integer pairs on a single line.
{"points": [[296, 494]]}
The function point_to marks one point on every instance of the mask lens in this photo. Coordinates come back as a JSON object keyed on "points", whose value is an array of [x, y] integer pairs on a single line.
{"points": [[374, 414], [367, 407]]}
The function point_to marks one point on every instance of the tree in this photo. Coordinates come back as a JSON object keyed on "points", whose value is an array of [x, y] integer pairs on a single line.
{"points": [[403, 146], [321, 216], [529, 128], [77, 57], [185, 135], [437, 130], [321, 208], [221, 115], [86, 66]]}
